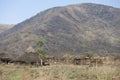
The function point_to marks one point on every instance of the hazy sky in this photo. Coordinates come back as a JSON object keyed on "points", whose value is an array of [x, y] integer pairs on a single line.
{"points": [[16, 11]]}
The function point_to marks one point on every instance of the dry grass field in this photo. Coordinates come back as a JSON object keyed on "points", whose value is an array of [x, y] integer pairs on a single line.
{"points": [[59, 72]]}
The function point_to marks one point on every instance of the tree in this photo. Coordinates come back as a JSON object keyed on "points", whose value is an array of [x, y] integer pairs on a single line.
{"points": [[41, 53], [40, 43]]}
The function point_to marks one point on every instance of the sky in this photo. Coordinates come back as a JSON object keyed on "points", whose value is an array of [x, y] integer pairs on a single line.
{"points": [[16, 11]]}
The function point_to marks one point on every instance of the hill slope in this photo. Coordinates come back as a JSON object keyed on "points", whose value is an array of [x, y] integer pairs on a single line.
{"points": [[75, 28], [4, 27]]}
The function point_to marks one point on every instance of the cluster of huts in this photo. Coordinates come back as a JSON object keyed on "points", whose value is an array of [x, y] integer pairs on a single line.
{"points": [[33, 58], [30, 57]]}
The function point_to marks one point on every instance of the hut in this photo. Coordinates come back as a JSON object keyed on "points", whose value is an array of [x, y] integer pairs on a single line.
{"points": [[96, 61], [50, 59], [80, 60], [5, 58], [28, 58]]}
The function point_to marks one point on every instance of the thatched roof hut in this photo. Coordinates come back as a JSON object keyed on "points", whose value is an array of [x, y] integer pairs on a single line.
{"points": [[5, 57], [29, 58]]}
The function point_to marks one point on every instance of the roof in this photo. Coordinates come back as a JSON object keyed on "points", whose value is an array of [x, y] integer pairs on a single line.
{"points": [[29, 57], [4, 56]]}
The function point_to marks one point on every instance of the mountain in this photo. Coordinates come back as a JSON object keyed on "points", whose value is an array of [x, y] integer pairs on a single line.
{"points": [[4, 27], [77, 28]]}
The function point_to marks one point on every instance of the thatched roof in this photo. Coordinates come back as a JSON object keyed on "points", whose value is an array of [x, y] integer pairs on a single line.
{"points": [[79, 57], [29, 57], [4, 56]]}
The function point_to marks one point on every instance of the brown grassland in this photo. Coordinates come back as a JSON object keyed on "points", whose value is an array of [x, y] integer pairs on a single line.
{"points": [[59, 72]]}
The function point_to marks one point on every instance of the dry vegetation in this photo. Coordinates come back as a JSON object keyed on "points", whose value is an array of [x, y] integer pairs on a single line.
{"points": [[59, 72]]}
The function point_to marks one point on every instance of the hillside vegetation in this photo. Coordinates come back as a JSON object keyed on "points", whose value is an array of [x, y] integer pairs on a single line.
{"points": [[75, 28], [4, 27]]}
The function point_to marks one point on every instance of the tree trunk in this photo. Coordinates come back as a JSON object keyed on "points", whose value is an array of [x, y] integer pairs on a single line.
{"points": [[41, 62]]}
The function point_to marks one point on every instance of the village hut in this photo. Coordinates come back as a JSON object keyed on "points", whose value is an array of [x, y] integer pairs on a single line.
{"points": [[50, 59], [5, 58], [29, 58], [81, 60]]}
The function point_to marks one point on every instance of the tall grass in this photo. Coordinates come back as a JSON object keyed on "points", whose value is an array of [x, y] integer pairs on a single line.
{"points": [[59, 72]]}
